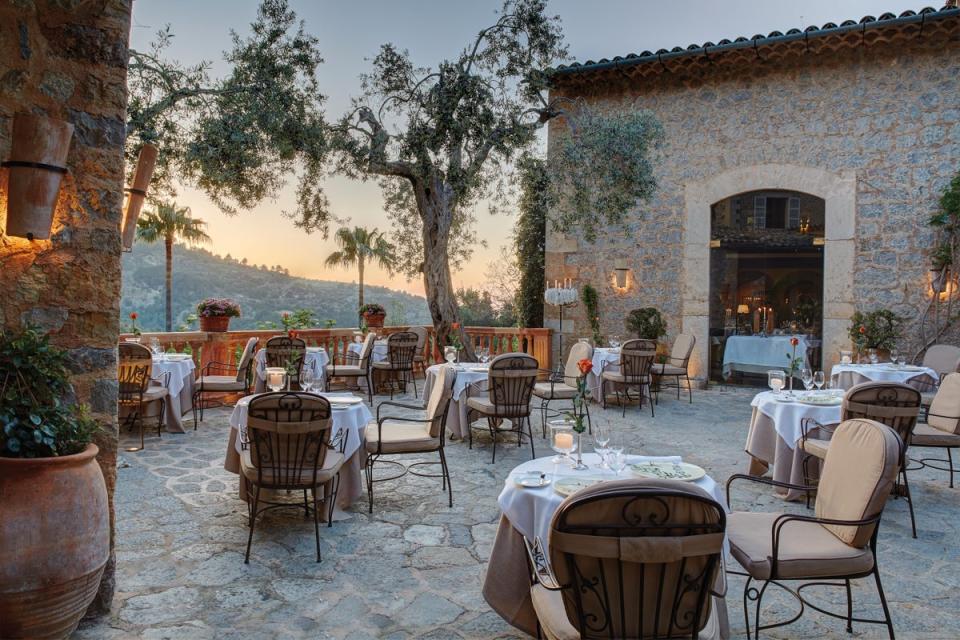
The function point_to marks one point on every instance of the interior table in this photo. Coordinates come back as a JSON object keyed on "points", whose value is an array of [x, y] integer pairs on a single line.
{"points": [[527, 512], [347, 421], [758, 354], [775, 428]]}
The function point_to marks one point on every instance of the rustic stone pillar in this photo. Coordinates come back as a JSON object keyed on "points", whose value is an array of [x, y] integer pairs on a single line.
{"points": [[68, 59]]}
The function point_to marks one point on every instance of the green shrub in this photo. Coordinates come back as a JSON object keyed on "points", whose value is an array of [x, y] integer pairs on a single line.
{"points": [[878, 329], [646, 323], [591, 300]]}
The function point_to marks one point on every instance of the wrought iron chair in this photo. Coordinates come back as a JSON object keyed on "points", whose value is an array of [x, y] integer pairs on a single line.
{"points": [[289, 448], [944, 359], [401, 350], [630, 559], [222, 377], [892, 404], [636, 362], [942, 429], [511, 379], [419, 357], [354, 371], [136, 397], [398, 435], [563, 385], [839, 543], [677, 364], [289, 353]]}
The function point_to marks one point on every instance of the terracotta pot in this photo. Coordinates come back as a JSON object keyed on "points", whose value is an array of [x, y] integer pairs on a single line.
{"points": [[137, 193], [32, 191], [55, 533], [374, 320], [214, 323]]}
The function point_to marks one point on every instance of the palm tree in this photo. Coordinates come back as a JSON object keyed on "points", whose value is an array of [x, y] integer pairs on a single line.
{"points": [[359, 246], [168, 223]]}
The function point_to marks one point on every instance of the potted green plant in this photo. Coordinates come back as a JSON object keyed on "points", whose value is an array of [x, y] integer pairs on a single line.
{"points": [[879, 330], [373, 315], [215, 313], [55, 525], [646, 323]]}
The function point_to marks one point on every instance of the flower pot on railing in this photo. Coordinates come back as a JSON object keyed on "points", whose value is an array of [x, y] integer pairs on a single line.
{"points": [[38, 159], [55, 533], [375, 320], [215, 323], [137, 193]]}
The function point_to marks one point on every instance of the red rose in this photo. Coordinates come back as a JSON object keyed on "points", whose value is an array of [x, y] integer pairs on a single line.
{"points": [[863, 329], [585, 366], [286, 316], [794, 341], [455, 325], [133, 316]]}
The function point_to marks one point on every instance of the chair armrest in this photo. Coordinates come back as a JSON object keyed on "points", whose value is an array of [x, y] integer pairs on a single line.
{"points": [[339, 441], [762, 480], [221, 366], [782, 521], [402, 405], [809, 424], [540, 572], [164, 379]]}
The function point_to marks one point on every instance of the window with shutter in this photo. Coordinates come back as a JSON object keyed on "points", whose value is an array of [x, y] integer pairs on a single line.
{"points": [[760, 212], [793, 213]]}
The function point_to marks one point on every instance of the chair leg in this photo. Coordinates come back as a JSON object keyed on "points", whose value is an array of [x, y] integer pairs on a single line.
{"points": [[533, 453], [446, 477], [603, 394], [883, 601], [413, 379], [689, 388], [306, 507], [950, 462], [316, 521], [652, 401], [332, 498], [746, 606], [253, 522], [493, 434], [909, 497], [368, 469], [849, 607]]}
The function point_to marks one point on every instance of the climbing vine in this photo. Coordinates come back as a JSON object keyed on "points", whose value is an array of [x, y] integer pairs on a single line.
{"points": [[591, 300], [944, 258]]}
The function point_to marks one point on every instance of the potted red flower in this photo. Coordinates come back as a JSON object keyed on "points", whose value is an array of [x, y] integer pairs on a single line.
{"points": [[215, 314], [373, 315]]}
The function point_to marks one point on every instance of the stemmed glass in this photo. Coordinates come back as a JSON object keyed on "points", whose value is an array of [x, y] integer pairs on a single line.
{"points": [[307, 379], [618, 462], [872, 354], [483, 355], [601, 440], [806, 376], [155, 347], [775, 380], [614, 342], [893, 355], [450, 354], [818, 380]]}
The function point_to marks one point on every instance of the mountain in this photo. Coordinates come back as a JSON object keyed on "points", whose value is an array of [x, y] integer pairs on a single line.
{"points": [[263, 292]]}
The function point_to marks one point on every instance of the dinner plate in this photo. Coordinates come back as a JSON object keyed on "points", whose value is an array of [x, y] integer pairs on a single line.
{"points": [[174, 357], [343, 400], [668, 471], [315, 349], [822, 401], [531, 479], [479, 369], [569, 485]]}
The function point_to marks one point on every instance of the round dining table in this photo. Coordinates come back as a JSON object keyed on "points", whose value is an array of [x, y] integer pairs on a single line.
{"points": [[179, 384], [844, 376], [775, 428], [469, 380], [526, 513], [348, 424], [316, 359]]}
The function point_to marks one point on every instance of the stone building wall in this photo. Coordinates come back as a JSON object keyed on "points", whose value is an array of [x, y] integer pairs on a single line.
{"points": [[886, 115], [67, 59]]}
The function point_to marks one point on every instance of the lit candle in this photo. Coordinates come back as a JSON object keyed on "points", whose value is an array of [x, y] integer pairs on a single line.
{"points": [[275, 377], [563, 441], [776, 384]]}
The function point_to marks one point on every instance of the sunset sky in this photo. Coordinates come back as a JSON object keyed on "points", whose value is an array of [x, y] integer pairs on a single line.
{"points": [[350, 33]]}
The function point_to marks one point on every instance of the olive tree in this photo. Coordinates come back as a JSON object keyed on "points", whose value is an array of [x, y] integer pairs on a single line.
{"points": [[440, 138]]}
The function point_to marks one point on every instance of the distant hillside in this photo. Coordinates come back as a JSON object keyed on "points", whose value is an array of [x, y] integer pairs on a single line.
{"points": [[262, 293]]}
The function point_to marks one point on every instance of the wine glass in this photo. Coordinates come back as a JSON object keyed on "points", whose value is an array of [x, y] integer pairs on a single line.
{"points": [[618, 462], [601, 441], [872, 354], [818, 380], [450, 354], [902, 360], [806, 376], [614, 342], [155, 346], [307, 379], [893, 355], [562, 440], [484, 355], [776, 380]]}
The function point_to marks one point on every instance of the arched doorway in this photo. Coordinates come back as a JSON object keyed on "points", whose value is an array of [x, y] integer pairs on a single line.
{"points": [[766, 282], [838, 191]]}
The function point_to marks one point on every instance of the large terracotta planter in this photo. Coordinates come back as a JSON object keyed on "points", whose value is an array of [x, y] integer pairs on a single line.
{"points": [[216, 324], [38, 158], [374, 320], [55, 541]]}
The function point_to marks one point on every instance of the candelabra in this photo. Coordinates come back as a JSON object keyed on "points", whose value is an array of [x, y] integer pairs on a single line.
{"points": [[561, 295]]}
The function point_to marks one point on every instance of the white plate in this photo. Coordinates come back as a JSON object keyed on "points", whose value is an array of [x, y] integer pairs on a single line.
{"points": [[174, 357], [531, 479], [569, 485], [315, 349], [479, 369], [342, 400], [683, 471], [822, 401]]}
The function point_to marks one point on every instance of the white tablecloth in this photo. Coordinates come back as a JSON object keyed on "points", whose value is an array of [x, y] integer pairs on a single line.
{"points": [[844, 376], [788, 416], [179, 387], [316, 358], [466, 383], [380, 350], [602, 356], [758, 354]]}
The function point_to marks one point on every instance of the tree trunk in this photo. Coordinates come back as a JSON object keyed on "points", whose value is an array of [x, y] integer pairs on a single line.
{"points": [[169, 277], [436, 211], [360, 287]]}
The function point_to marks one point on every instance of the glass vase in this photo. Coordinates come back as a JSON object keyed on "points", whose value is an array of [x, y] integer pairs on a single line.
{"points": [[579, 466]]}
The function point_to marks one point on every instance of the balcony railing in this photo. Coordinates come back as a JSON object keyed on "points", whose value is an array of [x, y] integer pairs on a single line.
{"points": [[227, 346]]}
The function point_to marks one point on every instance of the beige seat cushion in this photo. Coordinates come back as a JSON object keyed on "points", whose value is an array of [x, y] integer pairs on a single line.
{"points": [[331, 466], [927, 436], [555, 391], [815, 447], [616, 376], [552, 616], [220, 383], [807, 550], [154, 393], [667, 370], [346, 370], [399, 436], [926, 398], [485, 406], [387, 366]]}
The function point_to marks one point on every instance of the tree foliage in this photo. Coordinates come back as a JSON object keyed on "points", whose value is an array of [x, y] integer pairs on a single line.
{"points": [[235, 137], [529, 240]]}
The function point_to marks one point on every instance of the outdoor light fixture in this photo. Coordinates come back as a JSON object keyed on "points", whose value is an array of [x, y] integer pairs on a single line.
{"points": [[37, 164], [136, 194], [620, 273]]}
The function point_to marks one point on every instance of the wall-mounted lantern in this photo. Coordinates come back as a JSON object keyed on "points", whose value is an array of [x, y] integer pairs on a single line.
{"points": [[137, 193], [38, 161], [621, 273]]}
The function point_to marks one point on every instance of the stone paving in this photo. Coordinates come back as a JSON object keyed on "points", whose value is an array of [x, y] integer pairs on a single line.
{"points": [[414, 568]]}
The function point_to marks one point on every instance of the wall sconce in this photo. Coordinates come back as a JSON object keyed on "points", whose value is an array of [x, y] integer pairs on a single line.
{"points": [[620, 276], [38, 159], [136, 194], [941, 283]]}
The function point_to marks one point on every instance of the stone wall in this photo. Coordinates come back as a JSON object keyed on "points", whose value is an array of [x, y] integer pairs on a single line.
{"points": [[885, 116], [67, 59]]}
